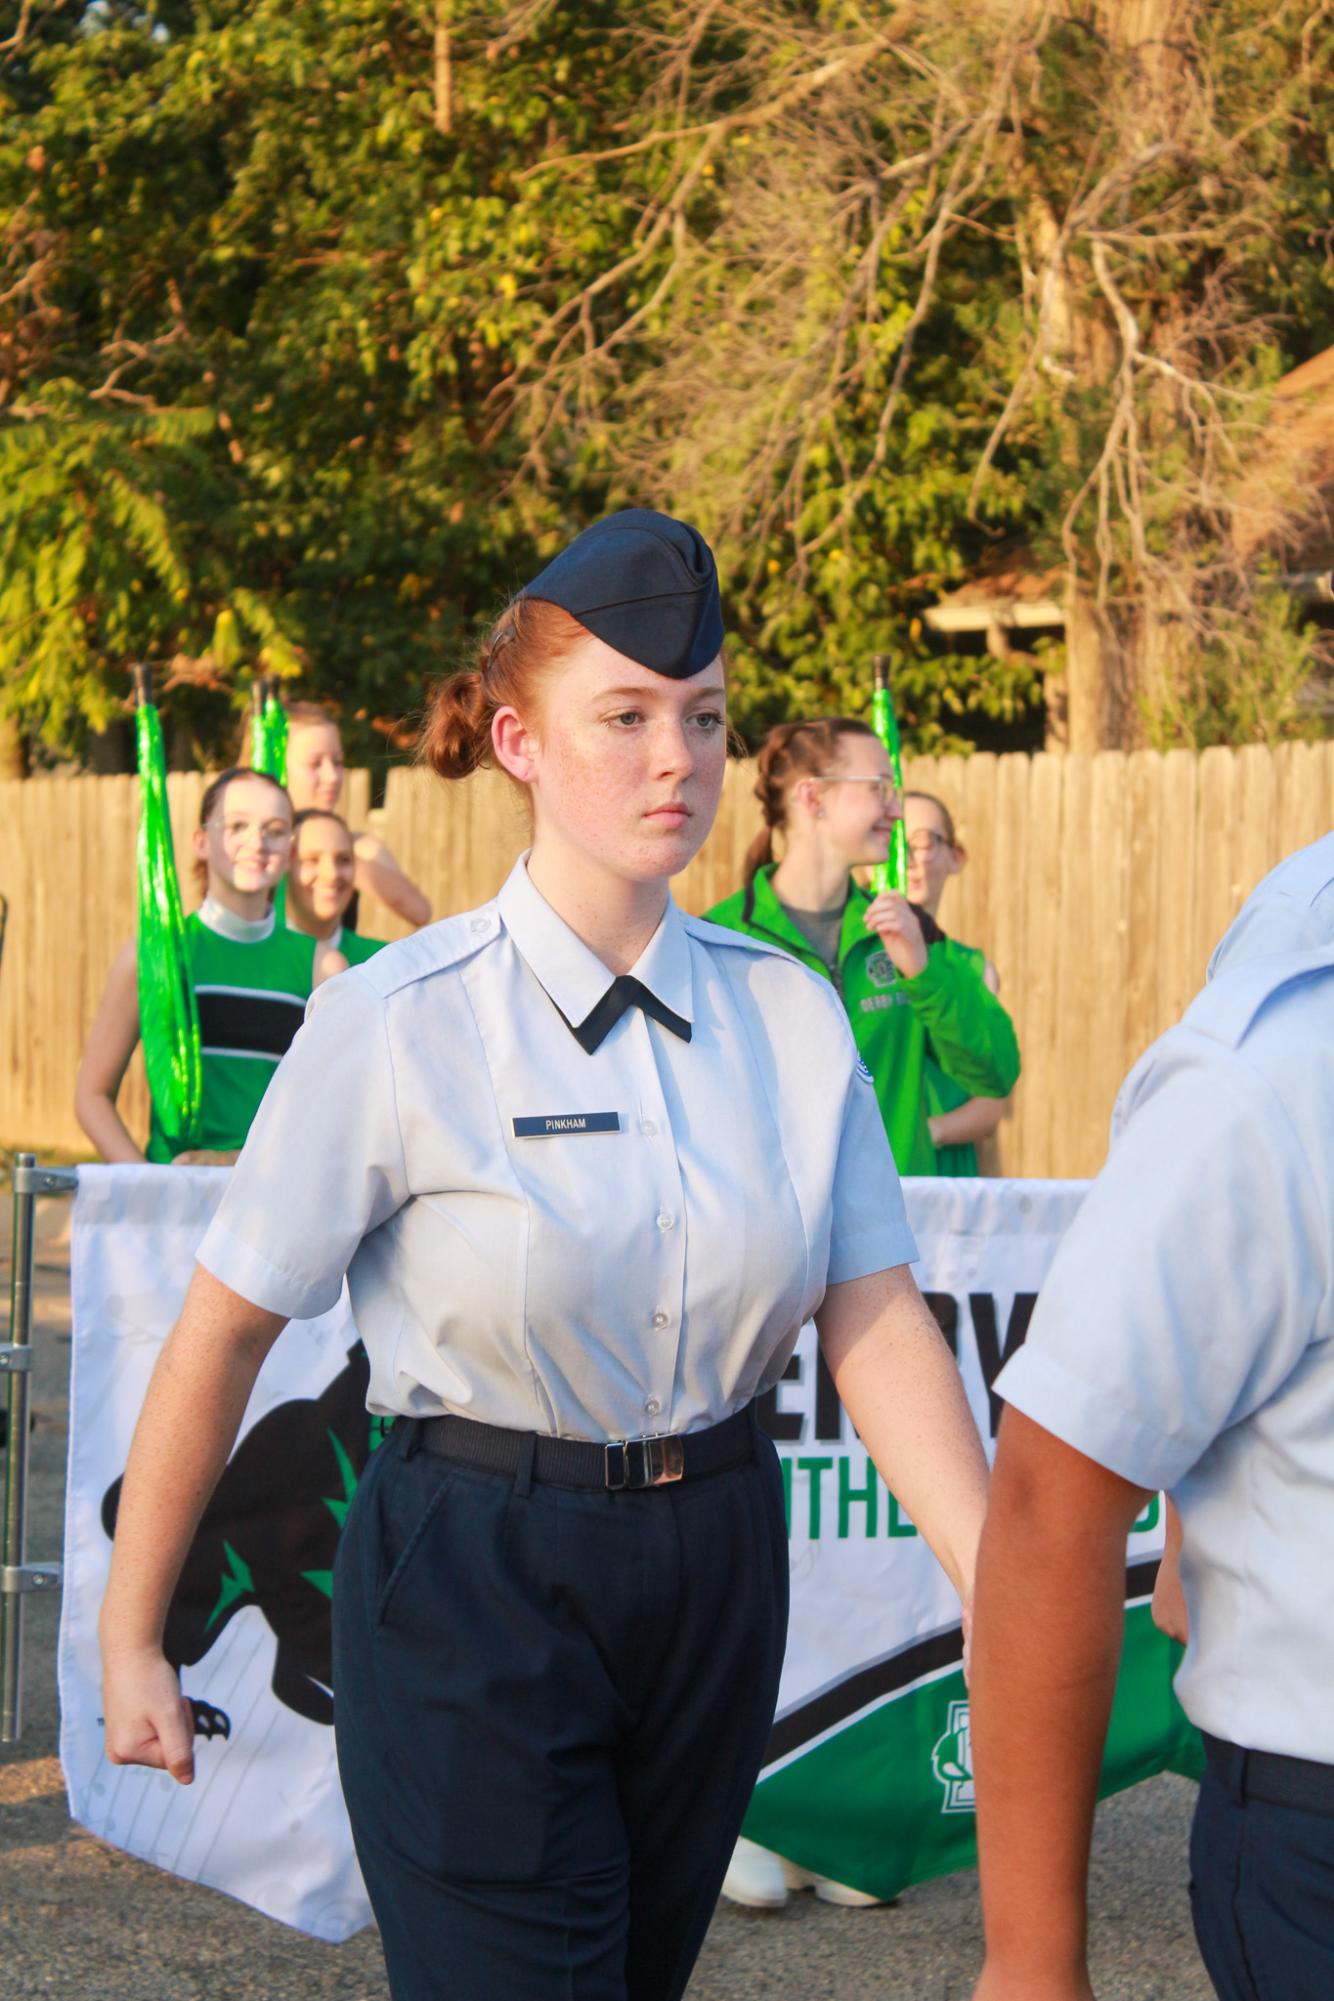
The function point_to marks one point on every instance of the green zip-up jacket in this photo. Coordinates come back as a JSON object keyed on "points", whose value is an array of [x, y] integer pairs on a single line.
{"points": [[969, 1033], [942, 1093]]}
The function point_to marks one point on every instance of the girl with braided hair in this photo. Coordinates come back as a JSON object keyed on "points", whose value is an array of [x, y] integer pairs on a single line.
{"points": [[826, 790]]}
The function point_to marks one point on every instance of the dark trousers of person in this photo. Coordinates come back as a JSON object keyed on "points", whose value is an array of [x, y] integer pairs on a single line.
{"points": [[551, 1705], [1262, 1889]]}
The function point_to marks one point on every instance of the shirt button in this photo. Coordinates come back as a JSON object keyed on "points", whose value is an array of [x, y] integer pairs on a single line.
{"points": [[665, 1219], [651, 1406], [660, 1320], [480, 924], [648, 1127]]}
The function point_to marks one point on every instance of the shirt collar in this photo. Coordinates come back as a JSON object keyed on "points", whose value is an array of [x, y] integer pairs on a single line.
{"points": [[572, 975], [241, 930]]}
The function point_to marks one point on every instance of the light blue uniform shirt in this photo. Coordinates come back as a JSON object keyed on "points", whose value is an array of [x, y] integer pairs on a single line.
{"points": [[598, 1284], [1185, 1334]]}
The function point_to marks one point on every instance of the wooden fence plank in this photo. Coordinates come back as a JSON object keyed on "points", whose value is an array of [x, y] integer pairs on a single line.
{"points": [[1148, 869], [1076, 967], [1035, 1103], [1218, 891]]}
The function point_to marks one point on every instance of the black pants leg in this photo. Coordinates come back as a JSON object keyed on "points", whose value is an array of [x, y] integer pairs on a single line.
{"points": [[550, 1708], [1262, 1896]]}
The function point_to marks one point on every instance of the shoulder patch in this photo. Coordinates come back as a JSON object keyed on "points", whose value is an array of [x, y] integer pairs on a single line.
{"points": [[434, 949]]}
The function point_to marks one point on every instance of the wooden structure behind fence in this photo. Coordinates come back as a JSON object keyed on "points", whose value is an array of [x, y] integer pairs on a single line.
{"points": [[1098, 885]]}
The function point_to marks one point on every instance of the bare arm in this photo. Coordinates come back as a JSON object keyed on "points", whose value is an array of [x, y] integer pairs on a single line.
{"points": [[901, 1388], [974, 1119], [111, 1043], [1169, 1600], [328, 961], [378, 874], [1046, 1644], [187, 1427]]}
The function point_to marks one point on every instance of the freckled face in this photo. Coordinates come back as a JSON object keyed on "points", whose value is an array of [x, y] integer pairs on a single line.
{"points": [[627, 765], [315, 766]]}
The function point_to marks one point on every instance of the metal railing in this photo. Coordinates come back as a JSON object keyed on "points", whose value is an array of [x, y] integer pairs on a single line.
{"points": [[17, 1575]]}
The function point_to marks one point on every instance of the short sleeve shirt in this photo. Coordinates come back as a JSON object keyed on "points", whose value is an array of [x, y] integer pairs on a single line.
{"points": [[1185, 1339], [591, 1246]]}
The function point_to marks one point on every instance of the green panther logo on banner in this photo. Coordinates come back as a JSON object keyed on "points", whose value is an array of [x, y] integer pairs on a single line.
{"points": [[952, 1762]]}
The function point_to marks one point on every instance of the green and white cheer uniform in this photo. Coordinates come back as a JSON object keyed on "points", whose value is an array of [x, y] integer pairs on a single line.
{"points": [[251, 982]]}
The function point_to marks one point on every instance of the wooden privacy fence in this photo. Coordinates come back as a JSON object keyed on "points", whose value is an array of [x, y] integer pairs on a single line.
{"points": [[1098, 885]]}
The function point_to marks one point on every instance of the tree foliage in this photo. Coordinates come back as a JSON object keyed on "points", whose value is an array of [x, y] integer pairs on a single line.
{"points": [[320, 327]]}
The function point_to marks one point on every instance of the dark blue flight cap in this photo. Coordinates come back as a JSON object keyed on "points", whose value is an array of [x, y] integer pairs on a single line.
{"points": [[645, 584]]}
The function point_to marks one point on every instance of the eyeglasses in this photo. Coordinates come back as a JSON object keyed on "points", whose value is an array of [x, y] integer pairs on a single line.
{"points": [[925, 842], [886, 787], [269, 833]]}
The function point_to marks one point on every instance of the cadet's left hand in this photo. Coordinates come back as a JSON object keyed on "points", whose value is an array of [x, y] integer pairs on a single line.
{"points": [[894, 920]]}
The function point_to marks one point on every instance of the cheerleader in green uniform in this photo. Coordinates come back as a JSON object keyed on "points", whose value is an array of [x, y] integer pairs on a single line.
{"points": [[321, 883], [251, 976]]}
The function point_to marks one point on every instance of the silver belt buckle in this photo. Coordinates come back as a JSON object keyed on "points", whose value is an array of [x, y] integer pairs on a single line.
{"points": [[660, 1458]]}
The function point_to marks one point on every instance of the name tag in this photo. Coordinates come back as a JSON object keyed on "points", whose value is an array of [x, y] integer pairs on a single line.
{"points": [[567, 1124]]}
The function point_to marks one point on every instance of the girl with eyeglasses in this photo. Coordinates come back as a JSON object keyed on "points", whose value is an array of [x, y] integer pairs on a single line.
{"points": [[826, 789], [252, 978], [957, 1118]]}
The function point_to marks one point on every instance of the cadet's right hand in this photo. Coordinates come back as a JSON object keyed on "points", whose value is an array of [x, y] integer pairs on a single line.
{"points": [[146, 1718]]}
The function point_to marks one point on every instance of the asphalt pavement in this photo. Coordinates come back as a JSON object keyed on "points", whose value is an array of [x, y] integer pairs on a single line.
{"points": [[82, 1922]]}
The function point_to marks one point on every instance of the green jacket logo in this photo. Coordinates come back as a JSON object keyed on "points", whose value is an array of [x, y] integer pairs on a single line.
{"points": [[880, 969], [952, 1762]]}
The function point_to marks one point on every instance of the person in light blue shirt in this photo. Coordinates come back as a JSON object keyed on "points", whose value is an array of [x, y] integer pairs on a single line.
{"points": [[587, 1164], [1185, 1341]]}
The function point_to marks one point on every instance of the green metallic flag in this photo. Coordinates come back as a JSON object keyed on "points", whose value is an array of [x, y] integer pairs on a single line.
{"points": [[268, 731], [893, 873], [168, 1014]]}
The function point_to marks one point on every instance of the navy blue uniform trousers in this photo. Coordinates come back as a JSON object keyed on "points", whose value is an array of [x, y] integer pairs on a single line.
{"points": [[551, 1706], [1262, 1896]]}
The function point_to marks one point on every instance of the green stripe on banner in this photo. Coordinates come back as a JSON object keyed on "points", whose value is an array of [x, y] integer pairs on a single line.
{"points": [[887, 1800]]}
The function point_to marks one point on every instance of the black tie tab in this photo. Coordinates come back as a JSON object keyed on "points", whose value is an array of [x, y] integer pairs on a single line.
{"points": [[624, 991]]}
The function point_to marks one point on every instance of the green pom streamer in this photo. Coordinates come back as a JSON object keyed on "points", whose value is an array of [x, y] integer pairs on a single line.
{"points": [[268, 732], [893, 872], [168, 1014]]}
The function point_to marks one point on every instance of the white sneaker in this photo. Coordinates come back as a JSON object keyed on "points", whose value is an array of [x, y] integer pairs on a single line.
{"points": [[827, 1890], [755, 1877]]}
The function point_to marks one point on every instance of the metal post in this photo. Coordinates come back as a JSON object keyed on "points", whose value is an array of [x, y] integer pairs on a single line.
{"points": [[16, 1575], [16, 1455]]}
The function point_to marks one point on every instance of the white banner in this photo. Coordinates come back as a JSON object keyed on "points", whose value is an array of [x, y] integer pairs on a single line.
{"points": [[867, 1777], [264, 1819]]}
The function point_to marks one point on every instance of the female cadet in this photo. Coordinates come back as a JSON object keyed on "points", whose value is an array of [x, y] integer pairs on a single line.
{"points": [[251, 979], [315, 772], [827, 785], [590, 1165], [321, 883], [957, 1119]]}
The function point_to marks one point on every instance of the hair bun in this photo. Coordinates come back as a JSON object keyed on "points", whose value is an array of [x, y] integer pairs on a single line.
{"points": [[456, 738]]}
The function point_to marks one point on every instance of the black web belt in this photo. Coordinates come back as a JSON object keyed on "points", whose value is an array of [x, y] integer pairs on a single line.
{"points": [[625, 1465], [1270, 1776]]}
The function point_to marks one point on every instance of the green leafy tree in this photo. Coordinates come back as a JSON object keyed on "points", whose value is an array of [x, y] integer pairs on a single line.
{"points": [[320, 327]]}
